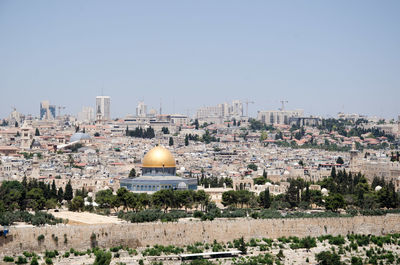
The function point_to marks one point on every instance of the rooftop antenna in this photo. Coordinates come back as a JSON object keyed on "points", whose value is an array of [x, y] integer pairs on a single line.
{"points": [[59, 110], [283, 104]]}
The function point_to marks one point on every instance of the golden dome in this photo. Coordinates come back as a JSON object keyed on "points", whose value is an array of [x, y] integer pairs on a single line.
{"points": [[159, 157]]}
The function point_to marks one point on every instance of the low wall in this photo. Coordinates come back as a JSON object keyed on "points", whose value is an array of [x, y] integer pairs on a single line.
{"points": [[63, 237]]}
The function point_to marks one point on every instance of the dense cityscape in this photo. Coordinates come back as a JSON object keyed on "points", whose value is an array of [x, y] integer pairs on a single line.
{"points": [[88, 169], [199, 132]]}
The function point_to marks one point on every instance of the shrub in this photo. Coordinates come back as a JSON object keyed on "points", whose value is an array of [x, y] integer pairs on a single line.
{"points": [[21, 260], [328, 258], [51, 254], [253, 242], [338, 240], [356, 261], [102, 258], [263, 247], [40, 238], [34, 261], [115, 249], [8, 259], [198, 214]]}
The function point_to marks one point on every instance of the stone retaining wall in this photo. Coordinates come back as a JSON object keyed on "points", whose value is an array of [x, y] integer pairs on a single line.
{"points": [[80, 237]]}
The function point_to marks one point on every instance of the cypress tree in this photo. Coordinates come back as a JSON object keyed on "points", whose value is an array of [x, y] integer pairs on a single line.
{"points": [[60, 195], [242, 246], [307, 196], [267, 199], [186, 140], [53, 191], [68, 192]]}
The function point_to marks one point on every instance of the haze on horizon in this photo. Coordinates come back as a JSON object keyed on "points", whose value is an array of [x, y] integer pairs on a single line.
{"points": [[323, 57]]}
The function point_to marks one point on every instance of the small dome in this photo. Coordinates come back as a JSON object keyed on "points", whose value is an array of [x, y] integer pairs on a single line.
{"points": [[378, 188], [159, 157], [182, 186], [79, 136], [36, 143], [324, 191]]}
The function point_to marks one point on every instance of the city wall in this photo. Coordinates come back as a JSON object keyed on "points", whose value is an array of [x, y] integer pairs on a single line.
{"points": [[80, 237]]}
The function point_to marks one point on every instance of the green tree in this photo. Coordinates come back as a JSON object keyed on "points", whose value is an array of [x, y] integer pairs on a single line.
{"points": [[104, 198], [77, 204], [132, 173], [252, 167], [164, 199], [69, 194], [339, 160], [307, 196], [186, 140], [230, 198], [242, 246], [37, 133], [267, 199], [51, 204], [122, 196], [334, 202], [131, 200], [102, 257], [328, 258], [245, 197], [202, 198], [36, 199], [196, 124], [60, 195], [171, 141], [53, 191]]}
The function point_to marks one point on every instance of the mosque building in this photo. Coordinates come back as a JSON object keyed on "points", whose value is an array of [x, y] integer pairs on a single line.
{"points": [[158, 173]]}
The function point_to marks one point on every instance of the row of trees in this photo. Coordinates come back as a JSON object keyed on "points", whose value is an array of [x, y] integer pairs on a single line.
{"points": [[163, 199], [345, 190], [139, 132], [214, 182], [32, 194], [206, 138], [356, 191]]}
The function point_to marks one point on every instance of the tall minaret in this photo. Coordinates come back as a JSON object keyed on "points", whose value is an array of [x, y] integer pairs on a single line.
{"points": [[353, 158]]}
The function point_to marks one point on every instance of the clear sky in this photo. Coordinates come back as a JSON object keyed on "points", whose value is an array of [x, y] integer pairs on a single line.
{"points": [[321, 56]]}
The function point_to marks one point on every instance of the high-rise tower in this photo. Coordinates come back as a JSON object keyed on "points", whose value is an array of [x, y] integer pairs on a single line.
{"points": [[103, 108]]}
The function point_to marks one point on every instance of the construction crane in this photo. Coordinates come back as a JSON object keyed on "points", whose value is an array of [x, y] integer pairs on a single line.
{"points": [[283, 104], [188, 111], [247, 106], [59, 110]]}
